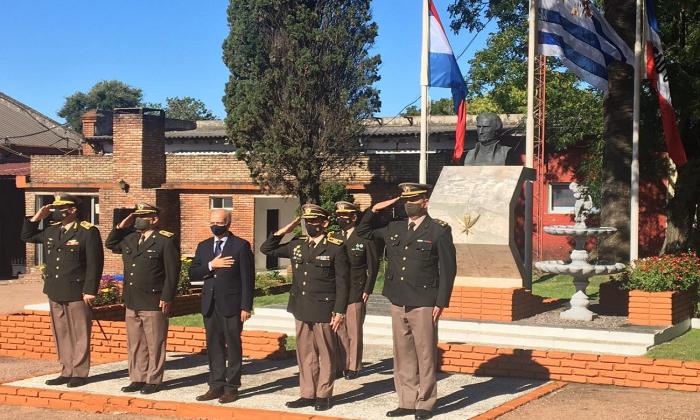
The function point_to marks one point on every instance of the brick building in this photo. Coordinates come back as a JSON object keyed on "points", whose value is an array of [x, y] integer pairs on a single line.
{"points": [[187, 168]]}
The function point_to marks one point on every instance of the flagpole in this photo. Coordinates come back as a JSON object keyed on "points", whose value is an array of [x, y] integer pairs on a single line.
{"points": [[634, 166], [423, 160], [530, 140]]}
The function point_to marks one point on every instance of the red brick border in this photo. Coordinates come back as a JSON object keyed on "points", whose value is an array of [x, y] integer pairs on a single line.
{"points": [[182, 305], [96, 403], [28, 335], [627, 371], [660, 308], [495, 304]]}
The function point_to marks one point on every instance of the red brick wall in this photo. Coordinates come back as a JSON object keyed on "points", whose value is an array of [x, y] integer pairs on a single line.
{"points": [[206, 168], [71, 169], [28, 335], [495, 304], [571, 367], [194, 217]]}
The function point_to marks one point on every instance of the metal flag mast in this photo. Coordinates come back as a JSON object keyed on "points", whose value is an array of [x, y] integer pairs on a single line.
{"points": [[423, 160], [634, 166], [530, 138]]}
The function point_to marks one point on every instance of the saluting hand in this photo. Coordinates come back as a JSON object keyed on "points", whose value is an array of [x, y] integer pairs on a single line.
{"points": [[290, 227], [128, 221], [384, 204], [42, 214], [222, 262]]}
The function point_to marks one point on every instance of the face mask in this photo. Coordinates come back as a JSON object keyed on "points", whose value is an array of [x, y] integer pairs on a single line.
{"points": [[218, 230], [413, 209], [142, 224], [58, 215], [313, 230], [345, 223]]}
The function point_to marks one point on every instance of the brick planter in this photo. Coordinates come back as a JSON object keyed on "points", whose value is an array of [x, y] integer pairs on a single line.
{"points": [[614, 300], [182, 305], [495, 304], [660, 308]]}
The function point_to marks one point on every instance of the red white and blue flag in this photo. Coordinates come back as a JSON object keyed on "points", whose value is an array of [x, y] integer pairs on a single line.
{"points": [[443, 71], [658, 76]]}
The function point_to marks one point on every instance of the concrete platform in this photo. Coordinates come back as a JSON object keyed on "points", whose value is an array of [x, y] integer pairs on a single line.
{"points": [[626, 341], [268, 384]]}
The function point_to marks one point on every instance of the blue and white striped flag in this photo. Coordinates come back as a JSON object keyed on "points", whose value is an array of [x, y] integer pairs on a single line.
{"points": [[577, 33]]}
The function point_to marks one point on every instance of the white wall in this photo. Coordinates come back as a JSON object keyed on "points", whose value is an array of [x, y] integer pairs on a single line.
{"points": [[287, 207]]}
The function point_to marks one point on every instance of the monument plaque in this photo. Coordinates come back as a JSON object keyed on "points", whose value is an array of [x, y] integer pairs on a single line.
{"points": [[479, 203]]}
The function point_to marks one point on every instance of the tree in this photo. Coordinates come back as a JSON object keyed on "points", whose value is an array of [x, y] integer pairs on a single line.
{"points": [[301, 83], [107, 95], [442, 106], [185, 108]]}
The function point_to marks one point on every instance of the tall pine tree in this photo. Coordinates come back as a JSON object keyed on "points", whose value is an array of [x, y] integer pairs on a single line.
{"points": [[301, 83]]}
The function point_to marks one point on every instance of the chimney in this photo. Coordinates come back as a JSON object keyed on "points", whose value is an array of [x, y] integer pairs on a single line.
{"points": [[139, 146]]}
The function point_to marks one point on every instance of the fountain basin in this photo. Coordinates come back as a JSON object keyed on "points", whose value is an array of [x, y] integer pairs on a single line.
{"points": [[570, 230], [560, 267]]}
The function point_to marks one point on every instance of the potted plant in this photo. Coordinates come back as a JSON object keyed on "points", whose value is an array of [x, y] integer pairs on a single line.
{"points": [[662, 290]]}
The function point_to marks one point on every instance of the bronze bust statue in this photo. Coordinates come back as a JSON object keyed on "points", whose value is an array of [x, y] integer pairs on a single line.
{"points": [[488, 150]]}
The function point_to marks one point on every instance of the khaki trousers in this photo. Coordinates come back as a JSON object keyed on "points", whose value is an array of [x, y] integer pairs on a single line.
{"points": [[415, 356], [350, 338], [72, 325], [315, 356], [146, 334]]}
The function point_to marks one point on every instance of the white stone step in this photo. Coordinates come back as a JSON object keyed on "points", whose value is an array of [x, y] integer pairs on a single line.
{"points": [[377, 330]]}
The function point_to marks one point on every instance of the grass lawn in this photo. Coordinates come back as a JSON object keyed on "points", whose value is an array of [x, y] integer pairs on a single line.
{"points": [[562, 286], [685, 347], [195, 320]]}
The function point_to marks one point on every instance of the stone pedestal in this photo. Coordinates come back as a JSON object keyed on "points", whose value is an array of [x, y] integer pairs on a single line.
{"points": [[479, 203]]}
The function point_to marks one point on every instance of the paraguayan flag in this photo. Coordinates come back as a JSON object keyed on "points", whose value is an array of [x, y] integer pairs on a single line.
{"points": [[577, 33]]}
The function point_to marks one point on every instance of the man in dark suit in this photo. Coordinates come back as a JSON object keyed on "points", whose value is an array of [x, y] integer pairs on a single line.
{"points": [[421, 270], [151, 272], [318, 300], [225, 263], [74, 261], [364, 264]]}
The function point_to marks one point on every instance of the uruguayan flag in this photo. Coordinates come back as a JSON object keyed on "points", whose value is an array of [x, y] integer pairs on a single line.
{"points": [[576, 32]]}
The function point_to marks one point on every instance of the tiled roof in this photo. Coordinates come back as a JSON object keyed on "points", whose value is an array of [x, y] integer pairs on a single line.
{"points": [[19, 168]]}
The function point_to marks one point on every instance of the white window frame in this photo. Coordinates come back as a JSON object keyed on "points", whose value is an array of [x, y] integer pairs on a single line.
{"points": [[211, 202], [550, 207]]}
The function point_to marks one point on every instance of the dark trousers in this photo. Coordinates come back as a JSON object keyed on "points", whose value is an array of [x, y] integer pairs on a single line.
{"points": [[224, 343]]}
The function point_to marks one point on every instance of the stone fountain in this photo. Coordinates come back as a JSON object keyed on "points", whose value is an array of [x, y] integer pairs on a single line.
{"points": [[579, 267]]}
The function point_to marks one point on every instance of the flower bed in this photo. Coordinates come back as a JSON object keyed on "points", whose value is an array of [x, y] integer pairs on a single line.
{"points": [[662, 290]]}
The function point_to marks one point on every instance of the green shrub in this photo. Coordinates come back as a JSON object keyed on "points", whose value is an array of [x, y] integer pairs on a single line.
{"points": [[183, 283], [664, 274]]}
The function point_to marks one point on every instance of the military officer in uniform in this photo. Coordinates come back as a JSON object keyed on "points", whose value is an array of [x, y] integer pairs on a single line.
{"points": [[317, 300], [74, 260], [364, 264], [420, 274], [151, 271]]}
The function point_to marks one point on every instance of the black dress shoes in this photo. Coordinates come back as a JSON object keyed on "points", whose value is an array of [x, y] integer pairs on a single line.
{"points": [[61, 380], [351, 374], [133, 387], [423, 414], [150, 389], [211, 394], [228, 397], [301, 402], [76, 382], [400, 412], [322, 404]]}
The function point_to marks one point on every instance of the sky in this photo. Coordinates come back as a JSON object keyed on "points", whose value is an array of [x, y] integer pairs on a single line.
{"points": [[53, 49]]}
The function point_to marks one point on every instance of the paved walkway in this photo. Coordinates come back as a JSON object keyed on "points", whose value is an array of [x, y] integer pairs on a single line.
{"points": [[268, 384], [16, 294], [579, 401]]}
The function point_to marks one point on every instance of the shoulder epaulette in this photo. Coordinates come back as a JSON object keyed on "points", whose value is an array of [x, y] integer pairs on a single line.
{"points": [[54, 223], [332, 239], [301, 237], [86, 225], [441, 222], [166, 233]]}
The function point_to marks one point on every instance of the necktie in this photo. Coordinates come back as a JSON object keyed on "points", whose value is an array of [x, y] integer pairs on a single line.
{"points": [[61, 232], [411, 226], [217, 250], [312, 244], [141, 239]]}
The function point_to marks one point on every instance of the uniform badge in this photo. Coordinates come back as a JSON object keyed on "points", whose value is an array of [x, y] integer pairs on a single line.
{"points": [[72, 242], [324, 257], [296, 253], [358, 247]]}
